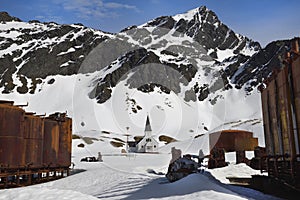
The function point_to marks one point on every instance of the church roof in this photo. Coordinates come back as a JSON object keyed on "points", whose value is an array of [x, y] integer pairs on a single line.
{"points": [[148, 126]]}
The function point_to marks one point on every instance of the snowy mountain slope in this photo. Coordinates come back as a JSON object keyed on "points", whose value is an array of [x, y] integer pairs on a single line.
{"points": [[31, 51], [189, 72]]}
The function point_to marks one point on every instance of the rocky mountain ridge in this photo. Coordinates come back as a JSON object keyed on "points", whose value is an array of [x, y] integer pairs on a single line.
{"points": [[197, 45], [31, 51]]}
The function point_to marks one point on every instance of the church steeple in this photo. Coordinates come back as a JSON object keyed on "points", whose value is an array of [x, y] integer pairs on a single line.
{"points": [[148, 126]]}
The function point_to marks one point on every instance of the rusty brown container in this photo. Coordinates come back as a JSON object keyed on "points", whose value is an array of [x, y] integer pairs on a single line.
{"points": [[65, 142], [11, 120], [12, 150], [33, 136], [50, 143], [233, 140]]}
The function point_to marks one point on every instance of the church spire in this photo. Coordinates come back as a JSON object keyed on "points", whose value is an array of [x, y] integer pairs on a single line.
{"points": [[148, 126]]}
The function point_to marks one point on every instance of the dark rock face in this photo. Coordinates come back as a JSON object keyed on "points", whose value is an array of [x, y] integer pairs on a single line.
{"points": [[207, 29], [5, 17], [260, 66], [163, 22], [146, 77]]}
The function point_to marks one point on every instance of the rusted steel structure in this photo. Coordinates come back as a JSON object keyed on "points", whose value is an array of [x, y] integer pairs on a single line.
{"points": [[50, 143], [233, 140], [33, 137], [32, 148], [223, 141], [259, 160], [281, 115], [65, 138]]}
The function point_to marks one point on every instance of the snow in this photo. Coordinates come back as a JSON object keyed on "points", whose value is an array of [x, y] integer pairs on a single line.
{"points": [[222, 54], [43, 194], [186, 16], [68, 51], [67, 63], [127, 176], [132, 180], [16, 25]]}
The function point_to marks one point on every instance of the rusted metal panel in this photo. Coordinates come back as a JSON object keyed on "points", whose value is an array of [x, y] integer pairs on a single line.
{"points": [[264, 97], [233, 140], [296, 82], [33, 136], [50, 143], [11, 120], [65, 142], [34, 127], [296, 75], [34, 153], [283, 111], [245, 144], [12, 152], [273, 116]]}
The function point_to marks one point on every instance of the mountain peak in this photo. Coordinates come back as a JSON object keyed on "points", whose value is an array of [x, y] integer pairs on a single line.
{"points": [[199, 13], [5, 17]]}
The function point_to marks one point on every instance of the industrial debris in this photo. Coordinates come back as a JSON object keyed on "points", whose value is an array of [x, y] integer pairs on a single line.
{"points": [[92, 158], [223, 141]]}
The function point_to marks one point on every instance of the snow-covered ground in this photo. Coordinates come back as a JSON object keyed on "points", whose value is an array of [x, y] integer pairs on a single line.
{"points": [[136, 176], [132, 176], [103, 181]]}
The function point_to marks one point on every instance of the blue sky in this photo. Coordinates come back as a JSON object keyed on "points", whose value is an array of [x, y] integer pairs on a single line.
{"points": [[260, 20]]}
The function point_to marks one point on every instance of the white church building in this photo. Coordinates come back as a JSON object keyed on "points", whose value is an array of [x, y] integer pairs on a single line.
{"points": [[148, 144]]}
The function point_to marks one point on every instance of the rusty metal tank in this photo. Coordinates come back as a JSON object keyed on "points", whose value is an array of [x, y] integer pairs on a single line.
{"points": [[57, 140], [65, 142], [50, 143], [233, 140], [12, 149], [33, 137]]}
